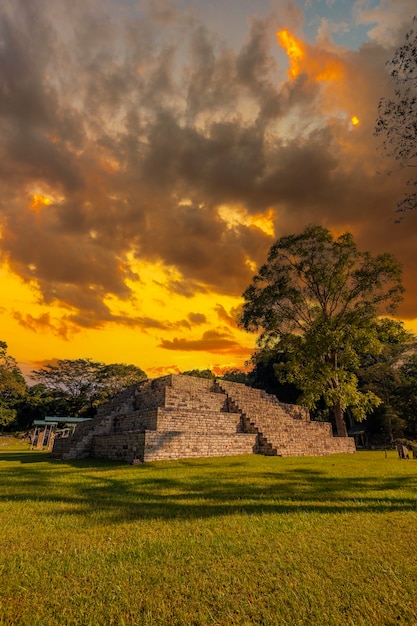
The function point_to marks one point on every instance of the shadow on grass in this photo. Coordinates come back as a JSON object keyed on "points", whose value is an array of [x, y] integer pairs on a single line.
{"points": [[106, 491], [25, 457]]}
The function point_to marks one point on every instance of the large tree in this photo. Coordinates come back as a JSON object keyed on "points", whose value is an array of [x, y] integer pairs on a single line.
{"points": [[115, 377], [397, 115], [83, 383], [319, 298], [75, 381]]}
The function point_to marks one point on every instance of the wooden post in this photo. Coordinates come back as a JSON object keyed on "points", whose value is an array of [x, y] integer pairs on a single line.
{"points": [[41, 438], [51, 438]]}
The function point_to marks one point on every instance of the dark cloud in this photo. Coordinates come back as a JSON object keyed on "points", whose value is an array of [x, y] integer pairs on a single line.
{"points": [[193, 319], [231, 318], [197, 318], [138, 135], [43, 323], [86, 318], [211, 341], [155, 372]]}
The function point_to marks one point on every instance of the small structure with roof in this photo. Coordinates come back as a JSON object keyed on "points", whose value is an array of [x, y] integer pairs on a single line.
{"points": [[47, 430]]}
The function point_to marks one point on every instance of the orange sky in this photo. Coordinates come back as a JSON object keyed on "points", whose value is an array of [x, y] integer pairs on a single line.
{"points": [[146, 174]]}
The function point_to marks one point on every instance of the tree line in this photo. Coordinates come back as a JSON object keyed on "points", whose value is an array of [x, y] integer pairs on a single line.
{"points": [[68, 388]]}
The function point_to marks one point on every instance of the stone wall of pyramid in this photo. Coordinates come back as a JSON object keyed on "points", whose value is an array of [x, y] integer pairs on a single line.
{"points": [[177, 417]]}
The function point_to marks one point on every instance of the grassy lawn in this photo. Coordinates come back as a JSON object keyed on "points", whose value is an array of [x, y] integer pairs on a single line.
{"points": [[241, 540]]}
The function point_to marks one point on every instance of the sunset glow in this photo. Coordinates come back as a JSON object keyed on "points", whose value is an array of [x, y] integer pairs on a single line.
{"points": [[150, 160], [38, 201], [294, 50], [318, 64], [237, 215]]}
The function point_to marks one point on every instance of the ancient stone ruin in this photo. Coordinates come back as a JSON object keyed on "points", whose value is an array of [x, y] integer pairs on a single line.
{"points": [[178, 417]]}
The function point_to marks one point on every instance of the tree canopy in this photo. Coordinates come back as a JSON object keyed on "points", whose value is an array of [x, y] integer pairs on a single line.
{"points": [[199, 373], [397, 116], [84, 383], [318, 297]]}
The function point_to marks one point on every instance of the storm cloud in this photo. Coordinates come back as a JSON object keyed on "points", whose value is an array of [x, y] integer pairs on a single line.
{"points": [[139, 134]]}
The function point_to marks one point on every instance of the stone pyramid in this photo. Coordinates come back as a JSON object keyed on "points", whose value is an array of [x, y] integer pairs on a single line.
{"points": [[178, 417]]}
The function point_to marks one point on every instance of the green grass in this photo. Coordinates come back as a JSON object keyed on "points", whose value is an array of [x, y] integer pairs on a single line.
{"points": [[242, 540]]}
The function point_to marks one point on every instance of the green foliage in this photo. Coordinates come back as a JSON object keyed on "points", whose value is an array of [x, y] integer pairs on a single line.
{"points": [[115, 377], [12, 383], [408, 394], [318, 298], [380, 373], [314, 279], [12, 387], [79, 386], [322, 364], [38, 402], [7, 416], [75, 383], [199, 373], [236, 376], [397, 115], [264, 374], [393, 336]]}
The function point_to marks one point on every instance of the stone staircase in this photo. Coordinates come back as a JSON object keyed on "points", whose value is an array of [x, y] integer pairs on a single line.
{"points": [[283, 430], [82, 446]]}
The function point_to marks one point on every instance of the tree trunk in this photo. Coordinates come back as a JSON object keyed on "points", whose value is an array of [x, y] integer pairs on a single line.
{"points": [[340, 422]]}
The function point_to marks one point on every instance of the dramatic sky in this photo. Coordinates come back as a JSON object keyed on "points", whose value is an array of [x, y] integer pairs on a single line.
{"points": [[152, 151]]}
